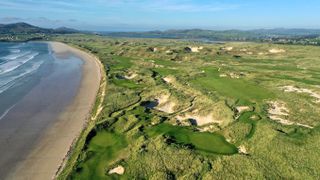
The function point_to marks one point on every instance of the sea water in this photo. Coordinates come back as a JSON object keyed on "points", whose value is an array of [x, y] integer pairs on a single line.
{"points": [[35, 88], [22, 66]]}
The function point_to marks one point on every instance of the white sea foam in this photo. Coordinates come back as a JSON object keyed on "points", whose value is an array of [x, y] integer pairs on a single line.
{"points": [[15, 51], [14, 64], [14, 56], [6, 112], [10, 81]]}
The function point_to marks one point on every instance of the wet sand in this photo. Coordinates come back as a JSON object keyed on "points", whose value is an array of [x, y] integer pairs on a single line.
{"points": [[52, 145]]}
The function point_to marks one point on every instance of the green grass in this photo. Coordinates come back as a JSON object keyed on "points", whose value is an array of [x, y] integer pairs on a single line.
{"points": [[126, 83], [120, 63], [276, 151], [232, 88], [202, 141], [245, 118], [102, 149]]}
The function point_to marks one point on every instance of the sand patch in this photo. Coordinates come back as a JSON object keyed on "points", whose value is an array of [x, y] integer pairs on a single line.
{"points": [[233, 75], [279, 112], [169, 51], [197, 119], [241, 109], [164, 104], [169, 79], [210, 128], [242, 149], [276, 51], [130, 75], [302, 90], [229, 48], [152, 49], [117, 170], [193, 49]]}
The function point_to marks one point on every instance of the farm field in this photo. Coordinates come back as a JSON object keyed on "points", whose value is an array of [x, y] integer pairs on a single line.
{"points": [[191, 110]]}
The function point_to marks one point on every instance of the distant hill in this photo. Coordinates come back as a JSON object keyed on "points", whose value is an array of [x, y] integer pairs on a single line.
{"points": [[24, 28], [225, 35]]}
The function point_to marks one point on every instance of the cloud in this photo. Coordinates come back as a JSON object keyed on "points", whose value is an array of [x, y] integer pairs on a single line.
{"points": [[38, 6], [169, 6], [191, 7]]}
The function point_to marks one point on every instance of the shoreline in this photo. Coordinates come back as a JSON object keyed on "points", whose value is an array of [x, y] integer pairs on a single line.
{"points": [[53, 148]]}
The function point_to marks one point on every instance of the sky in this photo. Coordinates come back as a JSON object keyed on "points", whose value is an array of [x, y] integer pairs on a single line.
{"points": [[144, 15]]}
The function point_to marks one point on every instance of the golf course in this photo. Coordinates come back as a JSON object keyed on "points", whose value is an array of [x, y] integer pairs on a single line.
{"points": [[183, 109]]}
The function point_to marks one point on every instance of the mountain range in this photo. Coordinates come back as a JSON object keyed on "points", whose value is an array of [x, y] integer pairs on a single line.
{"points": [[211, 35], [24, 28]]}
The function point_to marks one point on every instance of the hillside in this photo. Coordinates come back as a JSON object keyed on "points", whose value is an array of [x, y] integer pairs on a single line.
{"points": [[24, 28], [225, 35]]}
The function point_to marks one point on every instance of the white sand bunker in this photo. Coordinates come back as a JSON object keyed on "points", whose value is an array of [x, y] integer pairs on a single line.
{"points": [[227, 48], [302, 90], [276, 51], [152, 49], [193, 49], [279, 112], [130, 75], [198, 119], [169, 79], [233, 75], [242, 150], [164, 104], [117, 170], [241, 109]]}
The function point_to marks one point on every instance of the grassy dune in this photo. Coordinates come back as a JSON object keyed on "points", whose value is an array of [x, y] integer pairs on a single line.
{"points": [[220, 113]]}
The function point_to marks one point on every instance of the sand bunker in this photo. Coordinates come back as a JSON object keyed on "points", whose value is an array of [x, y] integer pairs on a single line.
{"points": [[169, 79], [210, 128], [193, 49], [302, 90], [130, 75], [164, 104], [278, 112], [242, 150], [117, 170], [227, 48], [152, 49], [233, 75], [276, 51], [241, 109], [169, 51], [197, 119]]}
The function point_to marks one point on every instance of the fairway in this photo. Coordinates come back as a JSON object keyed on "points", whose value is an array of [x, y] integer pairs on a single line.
{"points": [[102, 149], [202, 142]]}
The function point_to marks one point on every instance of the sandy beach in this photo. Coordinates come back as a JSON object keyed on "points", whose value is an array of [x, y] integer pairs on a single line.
{"points": [[50, 150]]}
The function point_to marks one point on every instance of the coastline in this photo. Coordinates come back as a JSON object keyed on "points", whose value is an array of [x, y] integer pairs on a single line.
{"points": [[51, 151]]}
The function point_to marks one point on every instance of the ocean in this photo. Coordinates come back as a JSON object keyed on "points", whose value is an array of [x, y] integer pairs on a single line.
{"points": [[35, 88]]}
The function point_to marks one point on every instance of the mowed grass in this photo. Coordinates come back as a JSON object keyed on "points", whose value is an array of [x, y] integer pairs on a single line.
{"points": [[102, 149], [126, 83], [233, 88], [203, 142]]}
